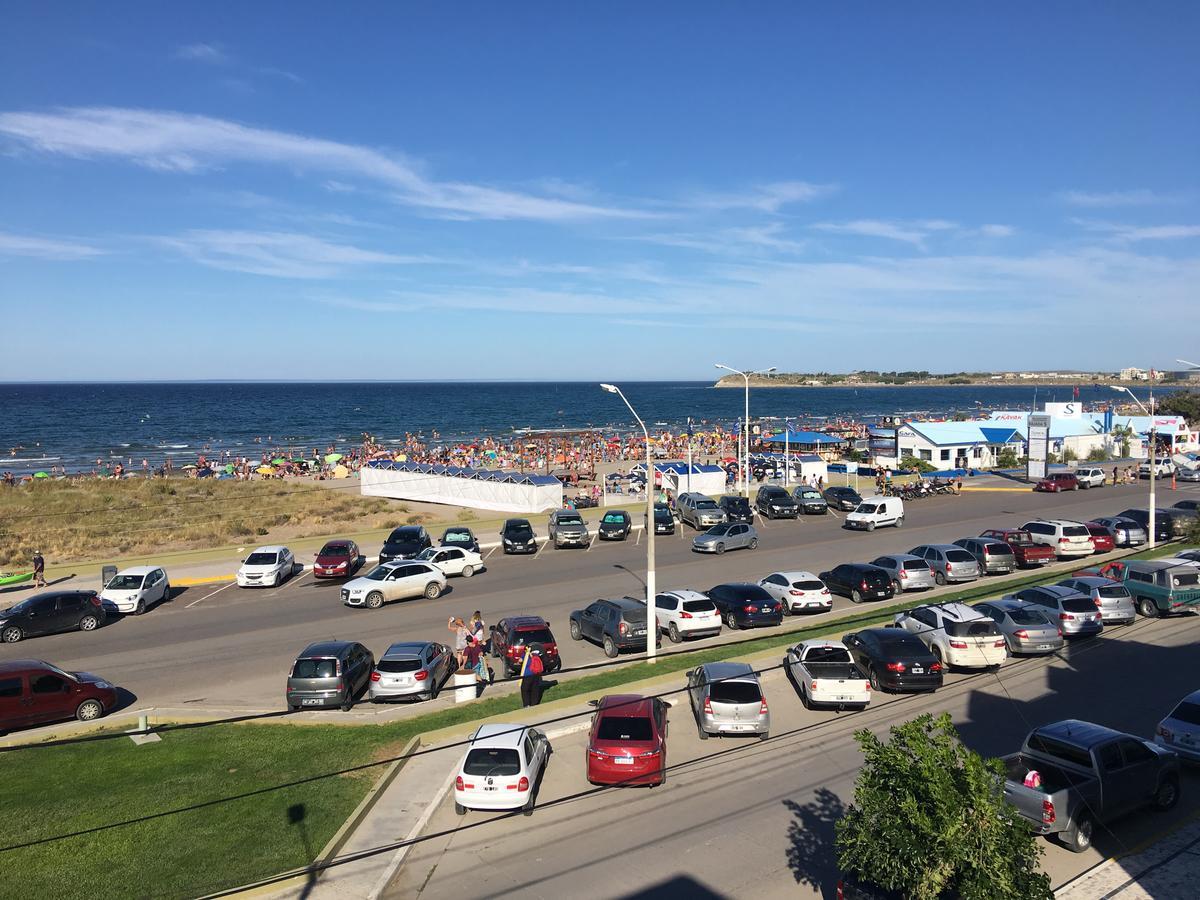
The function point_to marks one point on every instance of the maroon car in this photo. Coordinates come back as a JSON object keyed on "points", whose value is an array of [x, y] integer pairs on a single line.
{"points": [[1102, 538], [1058, 481], [628, 741], [1027, 552], [510, 637], [33, 692], [337, 559]]}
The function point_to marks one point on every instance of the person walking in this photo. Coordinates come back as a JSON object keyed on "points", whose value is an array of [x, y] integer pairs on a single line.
{"points": [[39, 569], [459, 627], [531, 677]]}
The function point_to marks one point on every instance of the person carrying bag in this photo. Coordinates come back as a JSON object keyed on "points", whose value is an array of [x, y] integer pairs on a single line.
{"points": [[531, 677]]}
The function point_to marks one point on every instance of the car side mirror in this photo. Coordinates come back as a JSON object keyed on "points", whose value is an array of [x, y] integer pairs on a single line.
{"points": [[593, 703]]}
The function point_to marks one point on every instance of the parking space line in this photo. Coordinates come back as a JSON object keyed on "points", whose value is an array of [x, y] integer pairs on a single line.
{"points": [[295, 579], [490, 552], [214, 593], [639, 539], [541, 548]]}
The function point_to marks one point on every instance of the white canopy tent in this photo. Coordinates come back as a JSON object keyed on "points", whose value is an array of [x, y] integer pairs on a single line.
{"points": [[491, 489]]}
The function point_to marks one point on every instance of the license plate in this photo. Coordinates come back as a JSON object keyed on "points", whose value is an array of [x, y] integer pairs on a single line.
{"points": [[623, 760], [766, 609], [917, 670], [310, 702], [740, 727], [1043, 646], [492, 788], [842, 697]]}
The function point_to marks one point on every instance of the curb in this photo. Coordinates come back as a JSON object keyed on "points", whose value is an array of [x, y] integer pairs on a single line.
{"points": [[192, 582]]}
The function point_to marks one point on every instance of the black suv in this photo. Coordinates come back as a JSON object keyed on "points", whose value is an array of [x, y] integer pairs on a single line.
{"points": [[517, 537], [775, 503], [859, 582], [745, 605], [1169, 523], [737, 509], [52, 612], [329, 673], [843, 498], [405, 542], [614, 624], [615, 525], [512, 635]]}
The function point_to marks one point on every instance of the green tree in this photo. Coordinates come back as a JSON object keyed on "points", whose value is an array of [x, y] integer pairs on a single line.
{"points": [[1069, 455], [1097, 454], [1181, 403], [912, 463], [1123, 435], [929, 820], [1007, 459]]}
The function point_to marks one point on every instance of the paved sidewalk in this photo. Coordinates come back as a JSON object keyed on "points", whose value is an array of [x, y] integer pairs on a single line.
{"points": [[1169, 868]]}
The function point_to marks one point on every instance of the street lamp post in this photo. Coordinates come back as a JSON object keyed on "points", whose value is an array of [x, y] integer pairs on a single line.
{"points": [[1152, 524], [651, 591], [745, 461]]}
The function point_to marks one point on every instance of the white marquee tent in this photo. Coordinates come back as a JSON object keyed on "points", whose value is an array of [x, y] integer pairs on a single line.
{"points": [[492, 489]]}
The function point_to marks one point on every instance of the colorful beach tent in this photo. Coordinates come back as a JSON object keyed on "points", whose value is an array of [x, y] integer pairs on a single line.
{"points": [[332, 457]]}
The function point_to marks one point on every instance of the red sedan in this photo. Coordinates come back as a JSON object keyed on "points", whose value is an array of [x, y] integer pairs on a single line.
{"points": [[337, 559], [628, 741], [1058, 481], [1102, 538]]}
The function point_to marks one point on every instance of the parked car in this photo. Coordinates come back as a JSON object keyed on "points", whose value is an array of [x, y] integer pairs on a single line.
{"points": [[328, 674], [1087, 774], [798, 592], [894, 660], [1124, 532], [1179, 731], [1188, 557], [908, 572], [460, 536], [1058, 481], [736, 508], [266, 567], [1102, 539], [1189, 505], [699, 511], [859, 582], [1076, 613], [512, 634], [875, 512], [1162, 468], [1090, 476], [399, 580], [1160, 587], [1165, 526], [810, 501], [615, 624], [136, 589], [1027, 628], [516, 536], [405, 542], [825, 675], [502, 768], [745, 605], [686, 614], [52, 612], [1111, 597], [1191, 473], [566, 528], [731, 536], [959, 635], [412, 669], [994, 556], [627, 743], [842, 498], [727, 698], [453, 560], [33, 692], [664, 519], [1066, 539], [1027, 552], [949, 562], [776, 503], [615, 525], [337, 559]]}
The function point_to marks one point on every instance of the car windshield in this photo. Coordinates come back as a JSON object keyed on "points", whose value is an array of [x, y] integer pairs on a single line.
{"points": [[827, 654], [1187, 711], [315, 668], [379, 573], [520, 531], [813, 585], [738, 504], [695, 606], [959, 556], [456, 537], [624, 728], [705, 504], [866, 508], [404, 536], [1113, 592], [912, 565], [427, 553], [1020, 537], [981, 628], [734, 692], [398, 665], [126, 583], [261, 559], [335, 550], [1075, 531], [1078, 605], [997, 550], [811, 495], [533, 636], [662, 514], [1186, 579], [719, 529], [570, 520], [483, 761], [614, 519], [1027, 617]]}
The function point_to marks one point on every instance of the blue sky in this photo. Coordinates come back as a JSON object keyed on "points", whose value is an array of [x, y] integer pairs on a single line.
{"points": [[561, 191]]}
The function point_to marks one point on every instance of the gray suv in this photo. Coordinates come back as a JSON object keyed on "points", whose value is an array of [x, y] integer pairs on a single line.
{"points": [[699, 511], [567, 529], [948, 561], [727, 698], [994, 556], [328, 674], [615, 625]]}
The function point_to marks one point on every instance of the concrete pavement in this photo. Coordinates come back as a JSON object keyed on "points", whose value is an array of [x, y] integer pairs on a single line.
{"points": [[1168, 868]]}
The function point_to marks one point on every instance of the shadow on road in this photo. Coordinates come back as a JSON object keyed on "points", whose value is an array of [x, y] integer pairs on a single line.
{"points": [[683, 887], [28, 585], [811, 854]]}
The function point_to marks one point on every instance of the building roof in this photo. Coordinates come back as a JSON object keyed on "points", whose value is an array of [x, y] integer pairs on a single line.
{"points": [[959, 433], [805, 437], [1085, 425]]}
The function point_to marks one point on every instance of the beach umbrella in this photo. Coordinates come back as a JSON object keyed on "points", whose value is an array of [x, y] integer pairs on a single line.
{"points": [[341, 472], [265, 470], [229, 468], [40, 475], [278, 461], [332, 457], [189, 466]]}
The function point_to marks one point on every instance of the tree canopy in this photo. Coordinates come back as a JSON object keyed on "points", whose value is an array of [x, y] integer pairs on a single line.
{"points": [[1181, 403]]}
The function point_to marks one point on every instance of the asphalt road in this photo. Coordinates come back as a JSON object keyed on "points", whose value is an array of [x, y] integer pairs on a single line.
{"points": [[743, 818], [228, 647]]}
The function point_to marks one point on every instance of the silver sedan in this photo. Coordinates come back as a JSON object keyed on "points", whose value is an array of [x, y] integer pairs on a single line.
{"points": [[908, 572], [728, 536], [1026, 627]]}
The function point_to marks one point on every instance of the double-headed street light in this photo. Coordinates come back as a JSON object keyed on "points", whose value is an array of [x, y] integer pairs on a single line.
{"points": [[1152, 524], [744, 462], [651, 592]]}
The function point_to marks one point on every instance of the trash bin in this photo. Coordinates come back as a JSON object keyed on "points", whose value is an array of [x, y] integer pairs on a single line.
{"points": [[107, 574], [464, 685]]}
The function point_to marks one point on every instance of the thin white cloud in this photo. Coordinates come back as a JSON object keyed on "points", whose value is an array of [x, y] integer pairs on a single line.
{"points": [[201, 52], [45, 248], [1133, 233], [768, 198], [997, 231], [907, 232], [1139, 197], [178, 142]]}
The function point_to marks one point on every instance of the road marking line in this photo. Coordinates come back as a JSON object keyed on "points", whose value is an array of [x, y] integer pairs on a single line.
{"points": [[639, 540], [490, 552], [193, 582], [214, 593], [295, 579], [541, 548]]}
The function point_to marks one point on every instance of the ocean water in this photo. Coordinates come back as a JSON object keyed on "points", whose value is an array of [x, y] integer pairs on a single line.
{"points": [[73, 425]]}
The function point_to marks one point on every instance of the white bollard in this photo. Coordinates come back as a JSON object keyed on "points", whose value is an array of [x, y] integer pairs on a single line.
{"points": [[464, 685]]}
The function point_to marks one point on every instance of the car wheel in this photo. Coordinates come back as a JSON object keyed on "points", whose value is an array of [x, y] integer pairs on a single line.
{"points": [[348, 703], [730, 621], [1167, 794], [900, 522], [764, 736], [673, 633], [435, 688], [700, 732], [720, 549], [940, 578], [787, 608], [896, 588], [92, 709], [527, 809], [873, 678], [1147, 608], [278, 580], [576, 634], [88, 623], [468, 571], [937, 654], [433, 590], [374, 600], [140, 608], [803, 696], [293, 708], [610, 649], [870, 526], [753, 543], [459, 809], [1078, 837], [1075, 488], [855, 597]]}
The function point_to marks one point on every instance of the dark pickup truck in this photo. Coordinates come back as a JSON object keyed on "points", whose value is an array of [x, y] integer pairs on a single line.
{"points": [[1087, 774]]}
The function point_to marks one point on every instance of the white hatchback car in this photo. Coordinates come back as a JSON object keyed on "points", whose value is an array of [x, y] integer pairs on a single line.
{"points": [[798, 592], [136, 589], [400, 579], [686, 614], [1067, 539], [958, 635], [502, 768], [266, 567], [453, 560], [1090, 476]]}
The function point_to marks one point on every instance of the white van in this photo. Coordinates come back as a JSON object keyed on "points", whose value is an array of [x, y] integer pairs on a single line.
{"points": [[876, 511]]}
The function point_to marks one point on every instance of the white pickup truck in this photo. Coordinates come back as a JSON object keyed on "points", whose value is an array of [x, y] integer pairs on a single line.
{"points": [[826, 675], [1163, 467]]}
